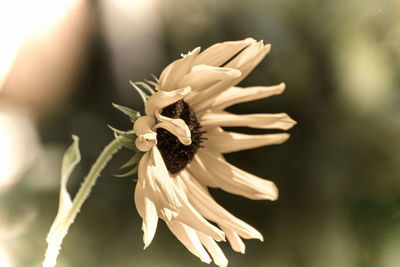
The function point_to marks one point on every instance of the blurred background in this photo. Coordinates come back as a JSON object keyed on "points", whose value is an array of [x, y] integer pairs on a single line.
{"points": [[63, 62]]}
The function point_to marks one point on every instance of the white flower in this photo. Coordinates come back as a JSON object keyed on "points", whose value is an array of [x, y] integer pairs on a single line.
{"points": [[182, 136]]}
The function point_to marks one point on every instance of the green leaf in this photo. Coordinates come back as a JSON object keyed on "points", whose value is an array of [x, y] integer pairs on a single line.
{"points": [[72, 157], [57, 232], [133, 114], [134, 160], [130, 173], [67, 210]]}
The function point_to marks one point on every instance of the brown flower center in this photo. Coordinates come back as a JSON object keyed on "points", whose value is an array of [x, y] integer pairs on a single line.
{"points": [[175, 154]]}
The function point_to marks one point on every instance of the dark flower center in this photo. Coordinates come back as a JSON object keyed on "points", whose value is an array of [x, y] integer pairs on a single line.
{"points": [[175, 154]]}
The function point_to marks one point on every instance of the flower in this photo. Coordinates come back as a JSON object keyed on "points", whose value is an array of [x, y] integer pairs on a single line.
{"points": [[183, 142]]}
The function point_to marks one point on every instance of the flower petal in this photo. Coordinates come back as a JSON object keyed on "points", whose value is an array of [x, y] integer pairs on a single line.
{"points": [[163, 183], [220, 53], [249, 58], [177, 127], [235, 241], [191, 217], [197, 168], [213, 248], [147, 210], [245, 61], [202, 201], [146, 137], [153, 177], [259, 121], [202, 76], [235, 180], [162, 99], [235, 95], [188, 237], [172, 74], [227, 142]]}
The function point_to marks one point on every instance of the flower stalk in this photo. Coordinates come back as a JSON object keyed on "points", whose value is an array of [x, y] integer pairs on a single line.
{"points": [[67, 209]]}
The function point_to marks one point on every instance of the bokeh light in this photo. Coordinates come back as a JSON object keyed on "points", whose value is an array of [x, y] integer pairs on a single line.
{"points": [[21, 20], [19, 144]]}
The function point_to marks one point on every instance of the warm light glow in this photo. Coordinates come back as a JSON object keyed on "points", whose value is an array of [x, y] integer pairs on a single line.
{"points": [[21, 20], [18, 143], [4, 260]]}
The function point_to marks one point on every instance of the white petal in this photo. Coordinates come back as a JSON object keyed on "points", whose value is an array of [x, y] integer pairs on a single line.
{"points": [[163, 184], [227, 142], [172, 74], [177, 127], [220, 53], [150, 220], [147, 138], [245, 61], [147, 211], [211, 210], [249, 58], [259, 121], [162, 99], [215, 251], [203, 76], [157, 185], [235, 95], [188, 237], [191, 217], [235, 241], [235, 180], [197, 168]]}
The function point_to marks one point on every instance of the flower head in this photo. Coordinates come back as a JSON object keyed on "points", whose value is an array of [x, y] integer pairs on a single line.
{"points": [[183, 143]]}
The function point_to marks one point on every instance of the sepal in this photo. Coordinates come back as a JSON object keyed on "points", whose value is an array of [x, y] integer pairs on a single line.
{"points": [[129, 173], [133, 161], [142, 94], [126, 138], [132, 114]]}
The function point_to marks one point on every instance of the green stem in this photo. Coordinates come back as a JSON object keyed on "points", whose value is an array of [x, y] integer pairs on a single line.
{"points": [[57, 234], [91, 179]]}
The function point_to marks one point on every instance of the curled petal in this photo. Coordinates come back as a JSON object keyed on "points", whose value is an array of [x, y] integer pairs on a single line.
{"points": [[146, 137], [162, 99], [177, 127], [202, 76], [172, 74]]}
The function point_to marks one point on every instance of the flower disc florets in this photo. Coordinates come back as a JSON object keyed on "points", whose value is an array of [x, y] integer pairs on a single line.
{"points": [[175, 154]]}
